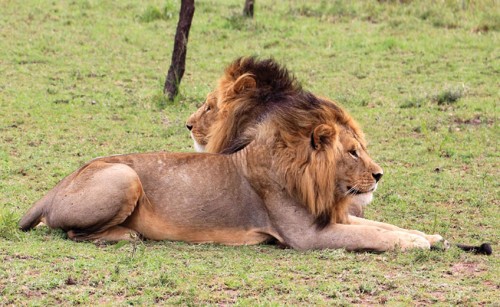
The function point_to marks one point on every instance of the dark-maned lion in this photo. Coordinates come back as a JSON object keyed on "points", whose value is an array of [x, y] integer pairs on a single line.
{"points": [[291, 180]]}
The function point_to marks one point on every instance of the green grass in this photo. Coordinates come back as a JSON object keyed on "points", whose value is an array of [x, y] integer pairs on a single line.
{"points": [[82, 79]]}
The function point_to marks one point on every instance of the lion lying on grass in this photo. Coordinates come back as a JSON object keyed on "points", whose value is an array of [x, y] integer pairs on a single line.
{"points": [[290, 178], [217, 128]]}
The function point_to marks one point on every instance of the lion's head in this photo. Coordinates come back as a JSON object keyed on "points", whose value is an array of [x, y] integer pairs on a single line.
{"points": [[320, 156], [199, 122]]}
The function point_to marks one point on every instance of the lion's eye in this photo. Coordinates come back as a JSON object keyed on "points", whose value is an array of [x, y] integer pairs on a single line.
{"points": [[353, 153], [207, 108]]}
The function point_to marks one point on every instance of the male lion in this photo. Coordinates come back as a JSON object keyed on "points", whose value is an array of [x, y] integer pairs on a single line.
{"points": [[291, 180], [217, 128]]}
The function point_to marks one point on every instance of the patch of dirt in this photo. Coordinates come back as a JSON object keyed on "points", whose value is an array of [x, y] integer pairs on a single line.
{"points": [[18, 257], [70, 281], [438, 296], [466, 268], [481, 29], [475, 121], [491, 284], [370, 300], [32, 293], [165, 121], [116, 299]]}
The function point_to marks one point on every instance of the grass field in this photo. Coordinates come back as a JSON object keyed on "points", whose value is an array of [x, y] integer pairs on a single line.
{"points": [[81, 79]]}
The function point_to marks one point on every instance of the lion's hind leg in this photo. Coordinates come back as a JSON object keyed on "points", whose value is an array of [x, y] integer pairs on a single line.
{"points": [[94, 204]]}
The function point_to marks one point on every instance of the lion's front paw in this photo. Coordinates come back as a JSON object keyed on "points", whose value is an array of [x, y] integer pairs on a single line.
{"points": [[433, 239], [437, 242], [409, 241]]}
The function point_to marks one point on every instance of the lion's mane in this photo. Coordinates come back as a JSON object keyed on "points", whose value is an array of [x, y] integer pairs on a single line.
{"points": [[273, 86]]}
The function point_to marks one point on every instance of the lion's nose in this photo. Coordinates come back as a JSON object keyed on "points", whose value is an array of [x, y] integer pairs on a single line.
{"points": [[377, 176], [189, 127]]}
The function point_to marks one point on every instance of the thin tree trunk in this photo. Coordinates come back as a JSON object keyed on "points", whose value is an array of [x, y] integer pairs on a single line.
{"points": [[178, 65], [248, 9]]}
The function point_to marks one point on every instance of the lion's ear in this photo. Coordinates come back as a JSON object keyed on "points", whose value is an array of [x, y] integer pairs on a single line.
{"points": [[243, 83], [323, 136]]}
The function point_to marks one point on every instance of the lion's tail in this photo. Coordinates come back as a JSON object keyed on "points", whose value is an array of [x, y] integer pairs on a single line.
{"points": [[34, 215]]}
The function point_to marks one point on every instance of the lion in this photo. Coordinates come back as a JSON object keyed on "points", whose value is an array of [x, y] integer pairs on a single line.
{"points": [[219, 132], [291, 180]]}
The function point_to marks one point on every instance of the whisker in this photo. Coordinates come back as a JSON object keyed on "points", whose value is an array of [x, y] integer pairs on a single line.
{"points": [[352, 189]]}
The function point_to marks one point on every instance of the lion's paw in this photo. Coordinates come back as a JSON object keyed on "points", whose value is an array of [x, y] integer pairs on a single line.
{"points": [[433, 239], [409, 241]]}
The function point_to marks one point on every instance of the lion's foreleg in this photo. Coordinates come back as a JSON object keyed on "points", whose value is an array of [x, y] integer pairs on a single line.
{"points": [[296, 229], [433, 239], [368, 238]]}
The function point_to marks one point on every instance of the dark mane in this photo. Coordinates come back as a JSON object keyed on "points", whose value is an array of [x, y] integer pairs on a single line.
{"points": [[276, 88], [273, 80]]}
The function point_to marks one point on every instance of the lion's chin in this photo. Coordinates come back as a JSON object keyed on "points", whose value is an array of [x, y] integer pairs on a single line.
{"points": [[197, 146], [362, 199]]}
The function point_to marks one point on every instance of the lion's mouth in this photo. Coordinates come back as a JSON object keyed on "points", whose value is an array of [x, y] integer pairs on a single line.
{"points": [[352, 191]]}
